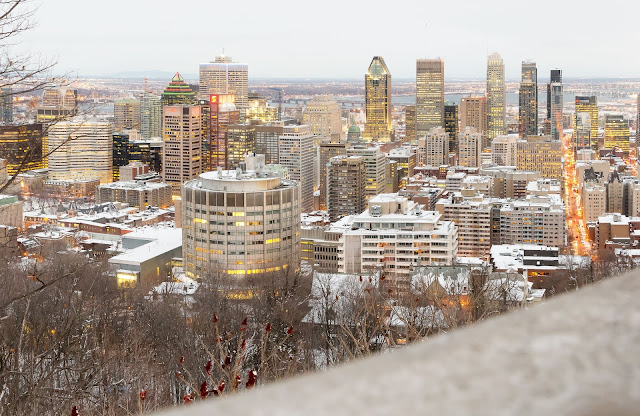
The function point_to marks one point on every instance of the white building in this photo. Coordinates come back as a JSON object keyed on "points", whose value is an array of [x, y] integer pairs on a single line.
{"points": [[469, 147], [534, 220], [140, 194], [295, 147], [323, 117], [84, 150], [594, 201], [434, 149], [225, 77], [504, 150], [395, 235], [374, 163], [242, 222]]}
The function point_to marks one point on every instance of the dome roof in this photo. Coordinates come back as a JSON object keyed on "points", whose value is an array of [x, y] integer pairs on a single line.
{"points": [[226, 107], [354, 129]]}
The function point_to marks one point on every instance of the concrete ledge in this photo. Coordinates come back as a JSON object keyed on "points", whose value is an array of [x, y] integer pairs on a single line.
{"points": [[577, 354]]}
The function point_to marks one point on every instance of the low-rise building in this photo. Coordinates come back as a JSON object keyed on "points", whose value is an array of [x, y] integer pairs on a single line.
{"points": [[140, 194]]}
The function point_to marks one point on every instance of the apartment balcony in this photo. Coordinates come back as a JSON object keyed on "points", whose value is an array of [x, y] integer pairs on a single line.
{"points": [[576, 354]]}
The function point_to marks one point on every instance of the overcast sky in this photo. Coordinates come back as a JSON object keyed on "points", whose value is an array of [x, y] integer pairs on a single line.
{"points": [[338, 38]]}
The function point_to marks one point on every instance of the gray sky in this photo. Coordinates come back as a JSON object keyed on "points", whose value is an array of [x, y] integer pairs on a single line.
{"points": [[337, 38]]}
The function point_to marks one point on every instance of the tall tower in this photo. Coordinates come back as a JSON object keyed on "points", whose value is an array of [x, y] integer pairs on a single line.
{"points": [[451, 124], [410, 123], [182, 144], [223, 76], [616, 132], [528, 100], [126, 114], [377, 97], [296, 154], [496, 98], [473, 113], [178, 92], [429, 95], [555, 103], [586, 123], [222, 114], [323, 117], [346, 183], [150, 115]]}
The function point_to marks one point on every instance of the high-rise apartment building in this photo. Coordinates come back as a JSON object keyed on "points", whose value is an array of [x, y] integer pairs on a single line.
{"points": [[616, 132], [346, 181], [377, 94], [327, 151], [429, 95], [296, 154], [57, 104], [84, 150], [496, 97], [182, 144], [223, 76], [410, 123], [323, 117], [241, 222], [586, 123], [126, 114], [150, 116], [222, 114], [451, 125], [469, 148], [473, 216], [178, 92], [6, 105], [473, 113], [555, 104], [504, 150], [18, 142], [120, 153], [541, 154], [374, 162], [267, 140], [528, 100], [241, 141], [147, 151], [436, 147]]}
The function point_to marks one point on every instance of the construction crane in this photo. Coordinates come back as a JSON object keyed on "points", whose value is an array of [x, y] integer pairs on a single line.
{"points": [[280, 94]]}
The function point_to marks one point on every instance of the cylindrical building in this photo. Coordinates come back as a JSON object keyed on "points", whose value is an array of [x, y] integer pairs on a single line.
{"points": [[242, 222]]}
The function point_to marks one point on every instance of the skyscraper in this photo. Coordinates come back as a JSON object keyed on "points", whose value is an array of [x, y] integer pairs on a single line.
{"points": [[496, 98], [296, 154], [346, 179], [473, 113], [241, 140], [374, 163], [222, 114], [178, 92], [182, 144], [469, 148], [126, 114], [84, 150], [410, 123], [616, 132], [528, 100], [429, 95], [323, 117], [586, 123], [18, 141], [436, 147], [150, 116], [377, 94], [451, 125], [223, 76], [327, 151], [555, 103]]}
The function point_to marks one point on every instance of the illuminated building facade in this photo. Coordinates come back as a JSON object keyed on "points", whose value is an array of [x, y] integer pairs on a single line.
{"points": [[429, 95], [528, 100], [473, 113], [84, 150], [616, 132], [259, 110], [6, 105], [555, 103], [346, 180], [469, 148], [451, 125], [410, 123], [541, 154], [586, 123], [223, 76], [182, 144], [377, 91], [146, 151], [126, 115], [120, 155], [241, 140], [241, 223], [268, 139], [178, 92], [16, 142], [496, 97], [222, 114], [323, 117]]}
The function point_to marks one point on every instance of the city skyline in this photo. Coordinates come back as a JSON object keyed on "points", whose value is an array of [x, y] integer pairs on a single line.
{"points": [[469, 40]]}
